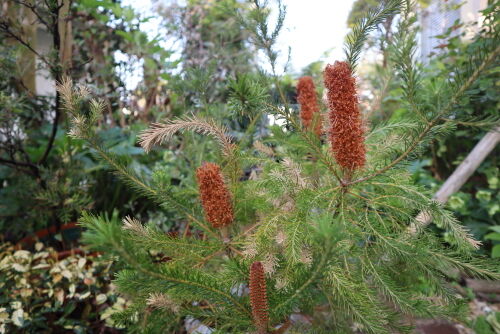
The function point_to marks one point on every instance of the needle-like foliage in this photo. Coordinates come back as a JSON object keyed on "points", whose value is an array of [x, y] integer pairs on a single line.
{"points": [[306, 249]]}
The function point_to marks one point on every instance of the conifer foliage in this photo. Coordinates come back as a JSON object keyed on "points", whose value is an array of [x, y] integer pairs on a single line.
{"points": [[330, 244]]}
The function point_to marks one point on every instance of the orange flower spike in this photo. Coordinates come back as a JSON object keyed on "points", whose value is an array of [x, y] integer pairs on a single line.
{"points": [[309, 108], [346, 132], [215, 197], [258, 297]]}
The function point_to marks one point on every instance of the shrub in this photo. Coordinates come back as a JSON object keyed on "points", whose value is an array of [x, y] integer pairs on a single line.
{"points": [[41, 293], [320, 236]]}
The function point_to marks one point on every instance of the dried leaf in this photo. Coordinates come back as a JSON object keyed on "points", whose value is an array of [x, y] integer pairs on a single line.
{"points": [[57, 278]]}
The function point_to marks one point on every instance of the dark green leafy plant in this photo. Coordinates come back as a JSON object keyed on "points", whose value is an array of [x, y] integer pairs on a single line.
{"points": [[47, 178]]}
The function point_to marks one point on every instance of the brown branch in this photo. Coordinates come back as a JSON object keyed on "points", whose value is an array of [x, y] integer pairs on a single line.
{"points": [[53, 134], [15, 163], [283, 327], [5, 28], [32, 8], [58, 77]]}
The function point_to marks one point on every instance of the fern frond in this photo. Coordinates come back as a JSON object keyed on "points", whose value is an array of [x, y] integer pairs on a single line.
{"points": [[187, 250], [445, 219], [159, 132], [393, 292], [404, 47], [262, 148], [163, 196], [481, 122], [472, 267], [357, 37], [180, 281], [347, 292]]}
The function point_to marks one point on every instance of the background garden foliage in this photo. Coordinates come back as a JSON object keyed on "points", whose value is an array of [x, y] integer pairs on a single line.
{"points": [[42, 293], [229, 221]]}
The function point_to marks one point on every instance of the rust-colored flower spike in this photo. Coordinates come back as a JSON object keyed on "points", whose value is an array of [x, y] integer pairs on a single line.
{"points": [[258, 297], [346, 132], [215, 197], [309, 108]]}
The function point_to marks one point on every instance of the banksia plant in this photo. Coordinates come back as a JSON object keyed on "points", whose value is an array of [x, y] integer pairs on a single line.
{"points": [[309, 108], [215, 197], [258, 297], [346, 129], [323, 245]]}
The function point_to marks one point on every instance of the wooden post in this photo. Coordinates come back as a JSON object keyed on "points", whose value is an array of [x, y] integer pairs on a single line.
{"points": [[461, 174]]}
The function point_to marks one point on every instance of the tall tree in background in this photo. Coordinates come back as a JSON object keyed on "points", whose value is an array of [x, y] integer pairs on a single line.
{"points": [[215, 46], [42, 170]]}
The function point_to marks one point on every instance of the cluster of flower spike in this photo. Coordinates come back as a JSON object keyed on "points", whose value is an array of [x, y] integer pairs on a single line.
{"points": [[346, 133], [309, 108], [258, 297], [215, 196]]}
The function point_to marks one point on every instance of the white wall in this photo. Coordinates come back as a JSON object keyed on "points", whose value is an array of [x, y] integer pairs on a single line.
{"points": [[439, 16], [44, 84]]}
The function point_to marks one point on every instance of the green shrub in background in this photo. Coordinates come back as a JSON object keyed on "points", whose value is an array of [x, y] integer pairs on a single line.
{"points": [[35, 194], [477, 204], [46, 177]]}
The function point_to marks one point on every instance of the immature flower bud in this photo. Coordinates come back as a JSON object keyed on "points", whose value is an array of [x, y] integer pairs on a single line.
{"points": [[258, 297], [309, 109], [346, 133], [215, 197]]}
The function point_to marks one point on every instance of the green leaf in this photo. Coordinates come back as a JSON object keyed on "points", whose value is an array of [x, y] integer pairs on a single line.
{"points": [[128, 36], [493, 236], [456, 202], [495, 252], [483, 195], [495, 228], [493, 209]]}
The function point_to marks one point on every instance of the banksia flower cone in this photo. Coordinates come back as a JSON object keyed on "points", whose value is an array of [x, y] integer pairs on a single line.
{"points": [[309, 109], [258, 297], [215, 197], [346, 133]]}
